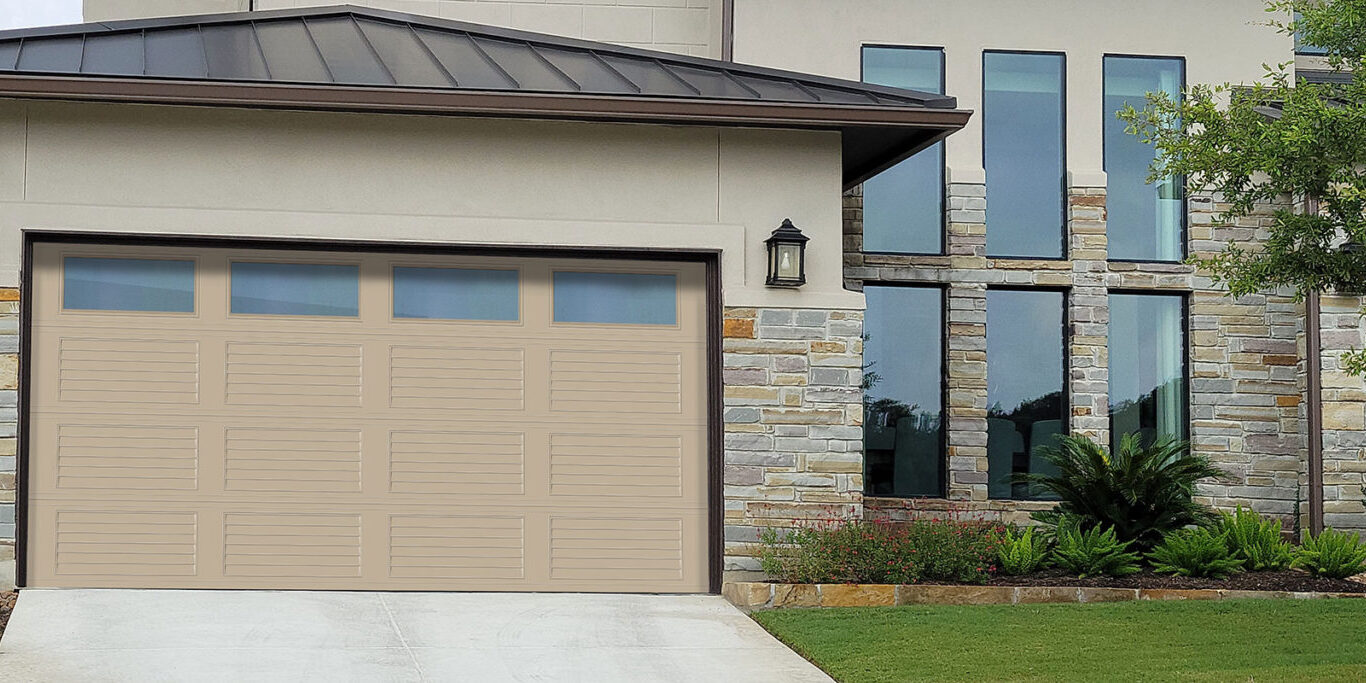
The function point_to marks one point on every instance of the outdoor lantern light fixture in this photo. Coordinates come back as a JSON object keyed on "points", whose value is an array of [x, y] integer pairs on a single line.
{"points": [[786, 256]]}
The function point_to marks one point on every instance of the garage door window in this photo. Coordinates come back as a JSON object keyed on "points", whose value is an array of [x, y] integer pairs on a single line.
{"points": [[620, 298], [296, 289], [455, 294], [127, 284]]}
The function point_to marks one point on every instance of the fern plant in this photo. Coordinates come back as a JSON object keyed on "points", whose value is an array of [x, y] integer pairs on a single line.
{"points": [[1140, 493], [1255, 541], [1022, 552], [1334, 554], [1093, 551], [1198, 552]]}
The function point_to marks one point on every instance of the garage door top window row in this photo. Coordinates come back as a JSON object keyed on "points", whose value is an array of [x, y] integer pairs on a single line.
{"points": [[331, 289]]}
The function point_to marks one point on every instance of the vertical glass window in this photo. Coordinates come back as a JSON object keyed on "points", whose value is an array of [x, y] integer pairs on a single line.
{"points": [[903, 398], [455, 293], [1147, 366], [295, 289], [1023, 153], [903, 207], [1144, 221], [127, 284], [1026, 391]]}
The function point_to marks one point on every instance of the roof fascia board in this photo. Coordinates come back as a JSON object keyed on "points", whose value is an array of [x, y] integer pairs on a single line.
{"points": [[468, 102]]}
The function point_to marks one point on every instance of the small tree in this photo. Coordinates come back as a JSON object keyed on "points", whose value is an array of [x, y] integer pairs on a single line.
{"points": [[1261, 143]]}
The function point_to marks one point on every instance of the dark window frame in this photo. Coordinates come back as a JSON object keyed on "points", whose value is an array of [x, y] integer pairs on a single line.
{"points": [[943, 388], [1186, 298], [943, 162], [1066, 364], [1104, 159], [1066, 252]]}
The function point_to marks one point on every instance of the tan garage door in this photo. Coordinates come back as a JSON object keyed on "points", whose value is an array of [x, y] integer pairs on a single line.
{"points": [[220, 418]]}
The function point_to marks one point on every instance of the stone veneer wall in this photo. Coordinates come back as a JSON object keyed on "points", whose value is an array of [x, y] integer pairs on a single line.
{"points": [[9, 401], [1344, 416], [1244, 375], [793, 422]]}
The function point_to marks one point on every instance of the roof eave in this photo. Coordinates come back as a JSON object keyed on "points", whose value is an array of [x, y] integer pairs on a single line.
{"points": [[928, 124]]}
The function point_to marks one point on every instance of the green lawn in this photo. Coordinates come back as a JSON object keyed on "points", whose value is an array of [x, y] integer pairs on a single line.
{"points": [[1247, 640]]}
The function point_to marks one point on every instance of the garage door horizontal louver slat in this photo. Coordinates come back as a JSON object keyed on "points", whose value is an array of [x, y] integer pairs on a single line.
{"points": [[321, 375], [455, 463], [97, 542], [605, 548], [120, 458], [264, 544], [296, 460], [594, 381], [456, 547], [455, 378], [128, 370]]}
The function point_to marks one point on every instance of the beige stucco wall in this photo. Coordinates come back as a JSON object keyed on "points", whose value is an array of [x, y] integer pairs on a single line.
{"points": [[182, 170], [112, 10], [1222, 40], [691, 27]]}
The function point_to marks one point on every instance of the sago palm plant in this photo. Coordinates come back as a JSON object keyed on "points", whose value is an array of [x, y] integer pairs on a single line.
{"points": [[1141, 493]]}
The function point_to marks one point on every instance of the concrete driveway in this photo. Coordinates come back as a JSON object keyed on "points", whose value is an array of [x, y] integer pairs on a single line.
{"points": [[143, 636]]}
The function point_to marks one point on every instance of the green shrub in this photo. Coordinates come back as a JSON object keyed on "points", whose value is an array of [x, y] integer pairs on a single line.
{"points": [[1334, 554], [1093, 551], [1255, 541], [1022, 552], [954, 550], [882, 552], [1197, 552], [1140, 493]]}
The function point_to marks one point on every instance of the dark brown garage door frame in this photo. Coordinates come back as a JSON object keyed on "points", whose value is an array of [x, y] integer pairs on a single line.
{"points": [[710, 258]]}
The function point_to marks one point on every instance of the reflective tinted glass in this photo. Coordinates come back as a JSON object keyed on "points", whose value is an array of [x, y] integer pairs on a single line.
{"points": [[1026, 394], [296, 289], [1147, 366], [127, 284], [903, 207], [1143, 220], [628, 298], [903, 397], [1022, 122], [455, 293]]}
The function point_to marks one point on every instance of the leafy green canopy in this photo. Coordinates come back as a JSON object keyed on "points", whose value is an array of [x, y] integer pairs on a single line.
{"points": [[1274, 144]]}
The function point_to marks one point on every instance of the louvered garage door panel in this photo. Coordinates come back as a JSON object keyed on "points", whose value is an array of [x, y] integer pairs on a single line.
{"points": [[536, 424]]}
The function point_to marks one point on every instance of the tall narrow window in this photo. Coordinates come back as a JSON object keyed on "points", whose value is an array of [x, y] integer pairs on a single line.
{"points": [[1026, 394], [904, 389], [1147, 366], [1144, 221], [1023, 152], [903, 207]]}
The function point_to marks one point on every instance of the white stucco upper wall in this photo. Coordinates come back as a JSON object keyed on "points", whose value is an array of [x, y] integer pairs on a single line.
{"points": [[425, 179], [1222, 41]]}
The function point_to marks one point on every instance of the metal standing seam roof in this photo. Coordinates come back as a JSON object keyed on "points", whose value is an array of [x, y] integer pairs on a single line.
{"points": [[313, 58]]}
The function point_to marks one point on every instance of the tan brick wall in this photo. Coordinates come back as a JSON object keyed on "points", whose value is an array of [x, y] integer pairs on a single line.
{"points": [[1245, 382], [9, 401], [793, 422], [1344, 415]]}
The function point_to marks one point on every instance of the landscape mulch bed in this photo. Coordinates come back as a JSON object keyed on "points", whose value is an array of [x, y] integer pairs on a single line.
{"points": [[7, 599], [1247, 581]]}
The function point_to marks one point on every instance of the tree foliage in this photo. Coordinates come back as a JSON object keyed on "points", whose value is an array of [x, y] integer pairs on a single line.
{"points": [[1268, 146]]}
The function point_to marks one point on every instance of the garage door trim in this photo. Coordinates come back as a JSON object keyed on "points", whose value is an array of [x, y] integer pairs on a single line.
{"points": [[710, 259]]}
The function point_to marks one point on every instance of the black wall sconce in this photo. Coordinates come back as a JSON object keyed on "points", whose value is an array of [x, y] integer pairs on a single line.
{"points": [[786, 256]]}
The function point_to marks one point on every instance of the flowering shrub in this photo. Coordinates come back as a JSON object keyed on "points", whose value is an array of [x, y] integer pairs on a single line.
{"points": [[882, 552]]}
